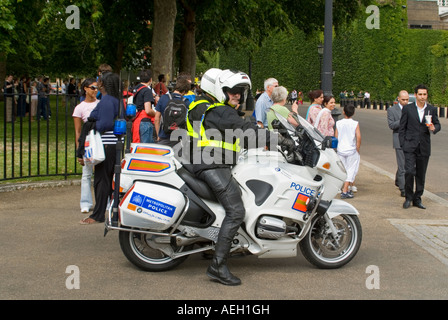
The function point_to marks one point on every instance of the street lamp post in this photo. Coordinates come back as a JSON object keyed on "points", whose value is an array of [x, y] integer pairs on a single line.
{"points": [[327, 75], [320, 51]]}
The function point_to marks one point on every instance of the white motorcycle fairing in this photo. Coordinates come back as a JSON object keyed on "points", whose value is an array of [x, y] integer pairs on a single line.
{"points": [[288, 197]]}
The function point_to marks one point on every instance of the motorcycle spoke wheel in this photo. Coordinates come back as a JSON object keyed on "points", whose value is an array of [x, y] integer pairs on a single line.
{"points": [[326, 250], [145, 253]]}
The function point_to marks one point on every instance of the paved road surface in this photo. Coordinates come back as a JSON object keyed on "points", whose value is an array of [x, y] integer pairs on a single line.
{"points": [[403, 254]]}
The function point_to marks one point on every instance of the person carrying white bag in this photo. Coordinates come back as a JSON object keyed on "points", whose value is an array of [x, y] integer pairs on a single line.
{"points": [[102, 119], [89, 90], [93, 148]]}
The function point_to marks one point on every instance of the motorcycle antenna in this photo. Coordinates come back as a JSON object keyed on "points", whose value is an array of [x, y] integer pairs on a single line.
{"points": [[119, 132]]}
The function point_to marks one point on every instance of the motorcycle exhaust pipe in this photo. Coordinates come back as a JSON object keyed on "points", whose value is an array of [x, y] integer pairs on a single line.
{"points": [[185, 241]]}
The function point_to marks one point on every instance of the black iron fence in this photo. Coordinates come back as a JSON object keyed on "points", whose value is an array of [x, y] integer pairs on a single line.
{"points": [[367, 103], [38, 136], [384, 105]]}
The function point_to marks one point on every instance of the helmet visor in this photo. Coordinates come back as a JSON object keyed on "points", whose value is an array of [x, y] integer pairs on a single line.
{"points": [[242, 90], [235, 90]]}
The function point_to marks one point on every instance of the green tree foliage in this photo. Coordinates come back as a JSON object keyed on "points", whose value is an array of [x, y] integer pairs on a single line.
{"points": [[385, 60], [382, 61], [7, 24], [291, 58], [113, 32], [280, 38]]}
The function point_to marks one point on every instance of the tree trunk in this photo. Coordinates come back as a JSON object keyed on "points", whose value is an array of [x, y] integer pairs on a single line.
{"points": [[119, 58], [165, 12], [188, 43]]}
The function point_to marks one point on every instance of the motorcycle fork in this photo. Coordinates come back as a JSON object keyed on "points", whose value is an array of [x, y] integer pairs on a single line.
{"points": [[334, 232], [309, 216]]}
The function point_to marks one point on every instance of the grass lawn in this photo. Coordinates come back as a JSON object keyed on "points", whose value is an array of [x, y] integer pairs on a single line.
{"points": [[35, 150]]}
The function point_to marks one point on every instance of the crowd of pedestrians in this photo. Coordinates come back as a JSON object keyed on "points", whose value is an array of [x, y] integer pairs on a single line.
{"points": [[99, 108], [26, 96], [413, 124], [319, 114]]}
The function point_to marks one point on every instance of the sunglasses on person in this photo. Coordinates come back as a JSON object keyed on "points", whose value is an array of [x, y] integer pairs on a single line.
{"points": [[93, 87]]}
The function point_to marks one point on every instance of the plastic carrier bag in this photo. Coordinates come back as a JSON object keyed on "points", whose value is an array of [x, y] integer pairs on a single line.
{"points": [[93, 148]]}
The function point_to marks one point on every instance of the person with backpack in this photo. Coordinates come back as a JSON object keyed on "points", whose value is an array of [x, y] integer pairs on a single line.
{"points": [[171, 112], [142, 125]]}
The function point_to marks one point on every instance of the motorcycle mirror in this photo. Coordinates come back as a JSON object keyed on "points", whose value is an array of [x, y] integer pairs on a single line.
{"points": [[277, 125], [326, 143]]}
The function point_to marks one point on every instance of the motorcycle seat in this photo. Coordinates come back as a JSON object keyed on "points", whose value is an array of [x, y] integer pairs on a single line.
{"points": [[198, 186]]}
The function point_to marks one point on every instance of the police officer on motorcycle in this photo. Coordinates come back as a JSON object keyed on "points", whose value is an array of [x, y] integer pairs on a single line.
{"points": [[217, 133]]}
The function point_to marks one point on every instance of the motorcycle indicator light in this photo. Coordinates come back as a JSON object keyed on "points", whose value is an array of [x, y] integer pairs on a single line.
{"points": [[126, 195], [326, 165], [311, 203], [113, 186]]}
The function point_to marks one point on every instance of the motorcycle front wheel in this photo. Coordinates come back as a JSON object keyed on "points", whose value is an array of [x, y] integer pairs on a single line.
{"points": [[325, 250], [145, 253]]}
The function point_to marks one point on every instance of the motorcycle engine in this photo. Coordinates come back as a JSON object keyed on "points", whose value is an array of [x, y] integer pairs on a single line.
{"points": [[270, 228]]}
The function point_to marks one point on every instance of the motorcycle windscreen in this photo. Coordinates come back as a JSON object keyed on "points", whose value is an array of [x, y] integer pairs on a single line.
{"points": [[151, 206]]}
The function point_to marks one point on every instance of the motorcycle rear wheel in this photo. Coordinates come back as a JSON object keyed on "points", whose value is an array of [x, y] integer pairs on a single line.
{"points": [[324, 250], [140, 250]]}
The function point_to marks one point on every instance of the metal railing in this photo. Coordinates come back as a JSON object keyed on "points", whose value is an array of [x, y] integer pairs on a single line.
{"points": [[38, 136], [385, 104]]}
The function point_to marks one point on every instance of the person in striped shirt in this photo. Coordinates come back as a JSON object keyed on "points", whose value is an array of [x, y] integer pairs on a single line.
{"points": [[105, 114]]}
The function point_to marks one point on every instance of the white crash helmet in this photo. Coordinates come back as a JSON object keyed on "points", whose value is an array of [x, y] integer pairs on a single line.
{"points": [[217, 83]]}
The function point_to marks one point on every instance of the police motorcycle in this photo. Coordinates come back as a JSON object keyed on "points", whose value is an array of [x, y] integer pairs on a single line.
{"points": [[166, 214]]}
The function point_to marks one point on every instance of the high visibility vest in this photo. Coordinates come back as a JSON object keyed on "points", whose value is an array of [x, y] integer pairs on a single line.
{"points": [[190, 129], [202, 140]]}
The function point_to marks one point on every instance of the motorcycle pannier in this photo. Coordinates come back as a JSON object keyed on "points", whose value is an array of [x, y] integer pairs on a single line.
{"points": [[151, 206]]}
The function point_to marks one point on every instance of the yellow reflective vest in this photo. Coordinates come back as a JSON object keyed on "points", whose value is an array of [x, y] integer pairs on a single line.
{"points": [[201, 137]]}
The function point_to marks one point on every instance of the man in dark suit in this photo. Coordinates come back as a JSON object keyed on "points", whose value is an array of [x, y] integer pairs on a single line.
{"points": [[418, 121], [393, 120]]}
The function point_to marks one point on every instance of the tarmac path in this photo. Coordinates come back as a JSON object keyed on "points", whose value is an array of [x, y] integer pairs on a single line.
{"points": [[403, 254]]}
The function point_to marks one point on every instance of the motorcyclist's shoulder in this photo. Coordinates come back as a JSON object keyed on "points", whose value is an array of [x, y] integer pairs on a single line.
{"points": [[203, 99]]}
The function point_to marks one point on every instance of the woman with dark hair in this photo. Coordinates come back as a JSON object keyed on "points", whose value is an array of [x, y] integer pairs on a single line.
{"points": [[89, 89], [104, 116], [316, 98], [324, 121]]}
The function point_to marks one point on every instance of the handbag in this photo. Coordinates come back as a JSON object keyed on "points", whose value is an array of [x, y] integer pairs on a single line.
{"points": [[93, 148]]}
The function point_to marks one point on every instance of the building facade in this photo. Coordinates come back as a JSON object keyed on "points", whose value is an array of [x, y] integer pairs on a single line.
{"points": [[428, 14]]}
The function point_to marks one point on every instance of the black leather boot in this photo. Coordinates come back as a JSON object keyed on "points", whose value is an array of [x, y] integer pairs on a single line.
{"points": [[228, 193], [218, 271]]}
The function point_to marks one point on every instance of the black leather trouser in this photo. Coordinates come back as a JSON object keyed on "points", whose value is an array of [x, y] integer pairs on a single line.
{"points": [[228, 193]]}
